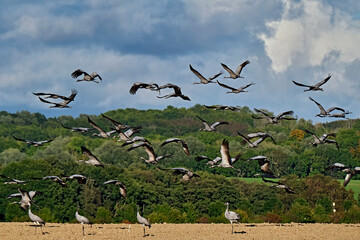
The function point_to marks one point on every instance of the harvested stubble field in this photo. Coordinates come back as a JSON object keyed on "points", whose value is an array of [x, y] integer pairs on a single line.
{"points": [[182, 231]]}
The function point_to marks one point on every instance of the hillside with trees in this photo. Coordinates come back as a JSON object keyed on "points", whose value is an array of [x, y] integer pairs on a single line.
{"points": [[164, 197]]}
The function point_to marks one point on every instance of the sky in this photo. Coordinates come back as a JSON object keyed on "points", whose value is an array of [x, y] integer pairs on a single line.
{"points": [[43, 42]]}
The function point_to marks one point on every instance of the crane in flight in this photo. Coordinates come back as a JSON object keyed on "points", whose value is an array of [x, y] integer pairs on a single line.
{"points": [[316, 87], [203, 80], [236, 74], [87, 77]]}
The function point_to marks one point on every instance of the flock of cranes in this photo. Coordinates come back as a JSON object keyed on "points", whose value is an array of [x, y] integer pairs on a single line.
{"points": [[125, 134]]}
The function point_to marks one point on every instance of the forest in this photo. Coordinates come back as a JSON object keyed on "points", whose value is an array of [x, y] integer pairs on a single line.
{"points": [[164, 197]]}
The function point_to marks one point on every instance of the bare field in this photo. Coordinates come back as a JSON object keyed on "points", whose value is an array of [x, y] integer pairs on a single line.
{"points": [[182, 231]]}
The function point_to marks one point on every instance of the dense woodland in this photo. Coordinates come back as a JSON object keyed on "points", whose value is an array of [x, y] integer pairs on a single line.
{"points": [[164, 197]]}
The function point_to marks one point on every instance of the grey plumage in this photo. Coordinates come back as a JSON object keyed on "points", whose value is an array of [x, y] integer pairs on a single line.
{"points": [[264, 164], [326, 113], [279, 185], [13, 180], [185, 173], [87, 77], [315, 87], [210, 162], [231, 216], [151, 86], [126, 136], [101, 133], [33, 143], [260, 135], [92, 159], [236, 74], [134, 140], [323, 139], [122, 187], [118, 126], [226, 160], [81, 179], [77, 129], [145, 222], [55, 179], [349, 172], [223, 107], [212, 127], [235, 90], [36, 219], [81, 219], [274, 119], [63, 104], [183, 144], [27, 198], [177, 92], [203, 80]]}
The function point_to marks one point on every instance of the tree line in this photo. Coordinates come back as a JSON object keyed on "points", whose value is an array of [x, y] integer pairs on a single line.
{"points": [[163, 197]]}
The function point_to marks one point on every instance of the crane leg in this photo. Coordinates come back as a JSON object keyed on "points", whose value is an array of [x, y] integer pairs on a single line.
{"points": [[232, 228], [144, 231], [82, 225], [41, 229]]}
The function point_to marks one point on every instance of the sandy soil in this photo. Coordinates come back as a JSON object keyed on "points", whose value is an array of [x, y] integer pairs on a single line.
{"points": [[182, 231]]}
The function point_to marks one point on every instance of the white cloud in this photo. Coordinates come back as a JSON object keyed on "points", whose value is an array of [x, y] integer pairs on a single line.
{"points": [[308, 32]]}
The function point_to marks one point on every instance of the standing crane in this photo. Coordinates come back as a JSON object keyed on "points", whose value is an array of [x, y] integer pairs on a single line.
{"points": [[81, 219], [36, 219], [142, 220], [231, 216]]}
